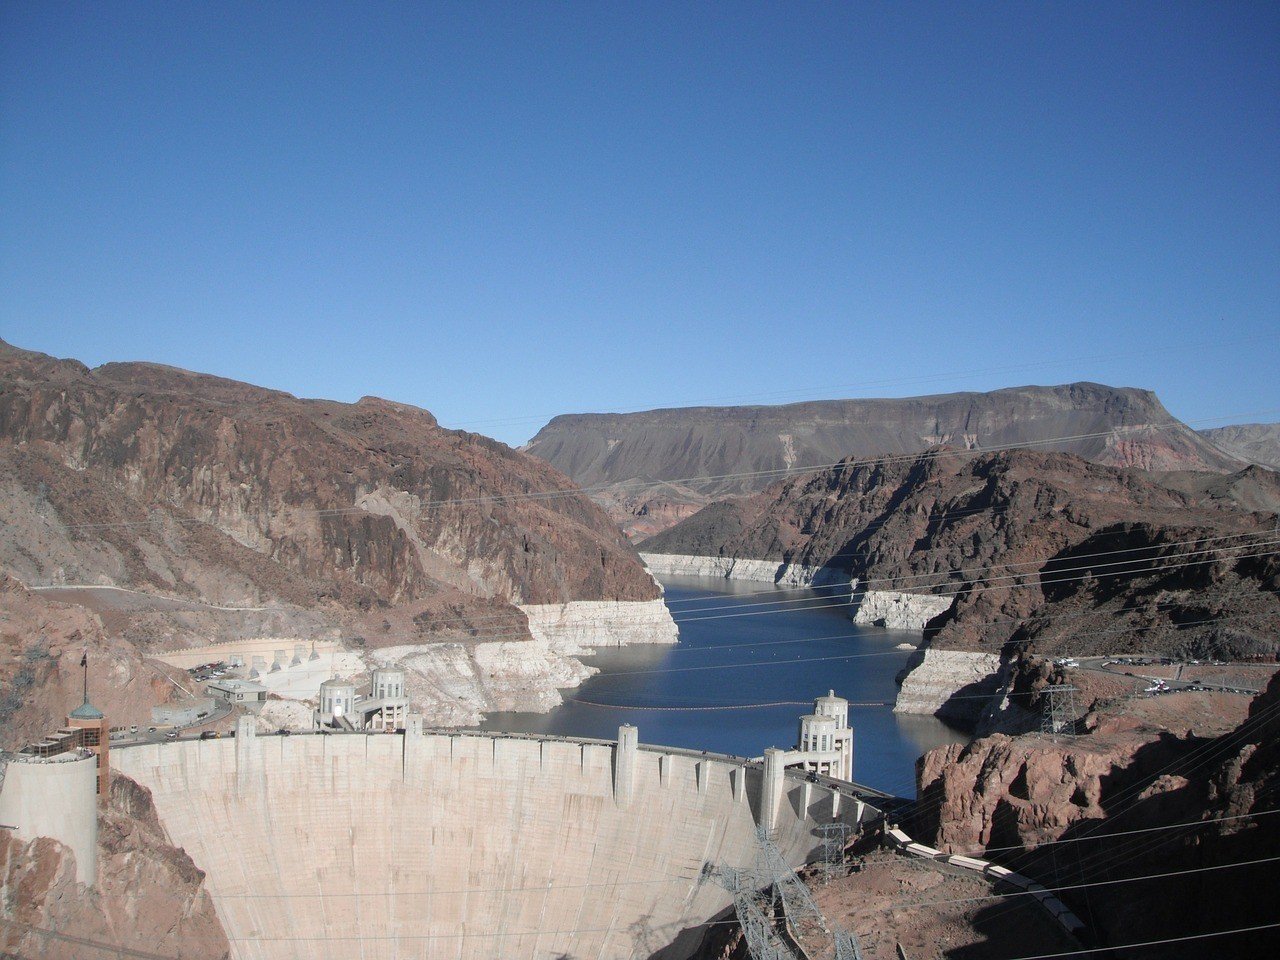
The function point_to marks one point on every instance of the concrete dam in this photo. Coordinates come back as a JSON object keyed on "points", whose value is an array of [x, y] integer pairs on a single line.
{"points": [[461, 845]]}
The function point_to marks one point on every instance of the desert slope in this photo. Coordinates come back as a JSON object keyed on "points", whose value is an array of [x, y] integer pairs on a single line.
{"points": [[247, 512], [1251, 442]]}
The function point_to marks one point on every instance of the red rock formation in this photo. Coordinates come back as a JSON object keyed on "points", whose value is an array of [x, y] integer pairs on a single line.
{"points": [[999, 529], [1017, 795]]}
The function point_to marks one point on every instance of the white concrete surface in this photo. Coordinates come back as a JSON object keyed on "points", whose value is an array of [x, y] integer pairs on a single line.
{"points": [[742, 568], [383, 847], [56, 797]]}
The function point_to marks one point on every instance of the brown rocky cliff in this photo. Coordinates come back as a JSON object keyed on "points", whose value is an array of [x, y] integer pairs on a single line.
{"points": [[374, 493], [41, 642], [150, 896]]}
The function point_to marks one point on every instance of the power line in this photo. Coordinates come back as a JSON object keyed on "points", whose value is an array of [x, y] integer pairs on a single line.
{"points": [[1021, 586], [838, 599], [1122, 833], [1044, 577], [1080, 886]]}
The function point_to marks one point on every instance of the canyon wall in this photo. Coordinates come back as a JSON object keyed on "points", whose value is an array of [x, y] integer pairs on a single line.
{"points": [[1177, 790], [227, 510], [1021, 551], [737, 568], [897, 611], [650, 468]]}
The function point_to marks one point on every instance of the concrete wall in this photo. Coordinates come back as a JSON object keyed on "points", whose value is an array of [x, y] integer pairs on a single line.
{"points": [[465, 846], [737, 568], [57, 798]]}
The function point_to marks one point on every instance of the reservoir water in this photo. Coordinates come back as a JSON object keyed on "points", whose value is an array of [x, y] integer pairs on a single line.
{"points": [[738, 649]]}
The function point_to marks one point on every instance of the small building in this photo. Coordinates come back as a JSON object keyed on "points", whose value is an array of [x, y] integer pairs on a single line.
{"points": [[90, 727], [385, 707], [239, 693], [182, 713], [87, 732], [337, 705], [825, 743]]}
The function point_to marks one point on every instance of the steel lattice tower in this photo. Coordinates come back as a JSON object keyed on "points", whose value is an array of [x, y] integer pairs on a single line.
{"points": [[1059, 717]]}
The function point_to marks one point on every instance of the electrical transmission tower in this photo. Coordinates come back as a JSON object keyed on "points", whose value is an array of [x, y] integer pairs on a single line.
{"points": [[834, 837], [753, 902], [1059, 717], [758, 892]]}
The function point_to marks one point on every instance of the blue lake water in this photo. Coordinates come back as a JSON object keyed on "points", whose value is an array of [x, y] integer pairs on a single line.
{"points": [[790, 652]]}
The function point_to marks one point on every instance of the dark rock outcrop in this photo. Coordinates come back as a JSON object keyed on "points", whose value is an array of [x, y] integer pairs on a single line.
{"points": [[1123, 796]]}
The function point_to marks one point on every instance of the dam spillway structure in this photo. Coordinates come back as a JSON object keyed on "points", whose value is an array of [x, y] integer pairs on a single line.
{"points": [[454, 844]]}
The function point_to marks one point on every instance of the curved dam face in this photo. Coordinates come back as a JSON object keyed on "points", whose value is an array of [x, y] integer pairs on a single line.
{"points": [[439, 845]]}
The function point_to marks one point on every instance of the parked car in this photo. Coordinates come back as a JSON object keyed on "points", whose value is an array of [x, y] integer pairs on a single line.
{"points": [[134, 728], [171, 735]]}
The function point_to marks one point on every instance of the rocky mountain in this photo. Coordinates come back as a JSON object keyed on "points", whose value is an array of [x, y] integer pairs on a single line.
{"points": [[703, 453], [1016, 551], [1251, 442], [145, 509], [373, 497], [230, 510]]}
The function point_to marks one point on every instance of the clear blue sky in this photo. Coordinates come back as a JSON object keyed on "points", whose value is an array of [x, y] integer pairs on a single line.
{"points": [[503, 212]]}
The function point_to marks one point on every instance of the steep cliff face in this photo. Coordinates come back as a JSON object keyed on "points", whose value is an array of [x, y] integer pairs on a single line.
{"points": [[1251, 442], [1015, 796], [149, 895], [742, 449], [372, 495]]}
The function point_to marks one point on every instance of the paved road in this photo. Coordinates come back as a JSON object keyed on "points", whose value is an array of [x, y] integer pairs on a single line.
{"points": [[1118, 668], [220, 712]]}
